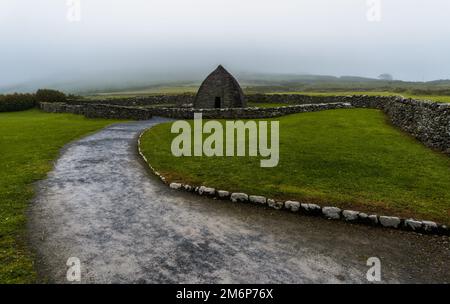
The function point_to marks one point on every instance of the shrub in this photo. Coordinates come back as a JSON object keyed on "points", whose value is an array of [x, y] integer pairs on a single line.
{"points": [[17, 102], [46, 95]]}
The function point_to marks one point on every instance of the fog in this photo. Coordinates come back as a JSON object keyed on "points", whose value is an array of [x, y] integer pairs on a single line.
{"points": [[139, 42]]}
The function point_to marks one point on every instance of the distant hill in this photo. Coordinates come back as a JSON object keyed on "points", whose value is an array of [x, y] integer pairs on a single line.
{"points": [[251, 82], [279, 83]]}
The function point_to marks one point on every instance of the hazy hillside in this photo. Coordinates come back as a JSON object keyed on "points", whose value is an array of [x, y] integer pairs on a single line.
{"points": [[252, 82]]}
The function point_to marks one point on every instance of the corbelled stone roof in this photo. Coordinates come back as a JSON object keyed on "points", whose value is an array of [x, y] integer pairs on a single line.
{"points": [[220, 89]]}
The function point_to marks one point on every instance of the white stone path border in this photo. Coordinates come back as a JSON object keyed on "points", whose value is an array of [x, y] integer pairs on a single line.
{"points": [[332, 213]]}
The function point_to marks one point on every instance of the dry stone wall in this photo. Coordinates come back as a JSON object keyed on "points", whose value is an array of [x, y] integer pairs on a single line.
{"points": [[98, 111], [179, 99], [429, 122], [292, 98], [126, 112]]}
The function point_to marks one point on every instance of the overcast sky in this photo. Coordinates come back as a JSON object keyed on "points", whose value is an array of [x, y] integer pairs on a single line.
{"points": [[184, 37]]}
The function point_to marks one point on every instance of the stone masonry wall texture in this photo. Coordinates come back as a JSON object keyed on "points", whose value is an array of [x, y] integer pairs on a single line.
{"points": [[220, 90]]}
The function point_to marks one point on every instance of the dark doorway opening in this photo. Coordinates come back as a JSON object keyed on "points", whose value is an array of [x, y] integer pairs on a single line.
{"points": [[217, 103]]}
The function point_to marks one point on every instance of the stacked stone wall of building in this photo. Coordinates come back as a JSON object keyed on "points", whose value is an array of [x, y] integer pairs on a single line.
{"points": [[220, 90]]}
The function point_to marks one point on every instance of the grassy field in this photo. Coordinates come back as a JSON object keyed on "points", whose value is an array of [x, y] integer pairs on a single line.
{"points": [[29, 141], [349, 158]]}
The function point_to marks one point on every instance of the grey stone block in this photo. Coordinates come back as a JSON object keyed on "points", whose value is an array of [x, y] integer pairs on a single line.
{"points": [[311, 208], [314, 207], [331, 213], [294, 206], [223, 194], [390, 221], [363, 216], [429, 226], [188, 187], [413, 224], [275, 204], [373, 219], [257, 199], [206, 191], [175, 186], [350, 215], [239, 197]]}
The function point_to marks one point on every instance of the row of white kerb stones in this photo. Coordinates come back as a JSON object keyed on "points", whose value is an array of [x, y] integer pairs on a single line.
{"points": [[332, 213]]}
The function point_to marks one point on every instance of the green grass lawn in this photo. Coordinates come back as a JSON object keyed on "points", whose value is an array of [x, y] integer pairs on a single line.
{"points": [[29, 141], [351, 158]]}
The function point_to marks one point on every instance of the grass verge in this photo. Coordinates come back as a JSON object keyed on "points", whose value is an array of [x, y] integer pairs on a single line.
{"points": [[29, 141]]}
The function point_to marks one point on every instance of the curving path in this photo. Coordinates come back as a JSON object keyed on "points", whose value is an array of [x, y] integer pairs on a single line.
{"points": [[101, 204]]}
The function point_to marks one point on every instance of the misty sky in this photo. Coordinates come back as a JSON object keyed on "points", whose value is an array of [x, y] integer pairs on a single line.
{"points": [[163, 38]]}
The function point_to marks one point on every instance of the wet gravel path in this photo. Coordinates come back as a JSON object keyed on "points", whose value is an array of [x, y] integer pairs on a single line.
{"points": [[101, 205]]}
